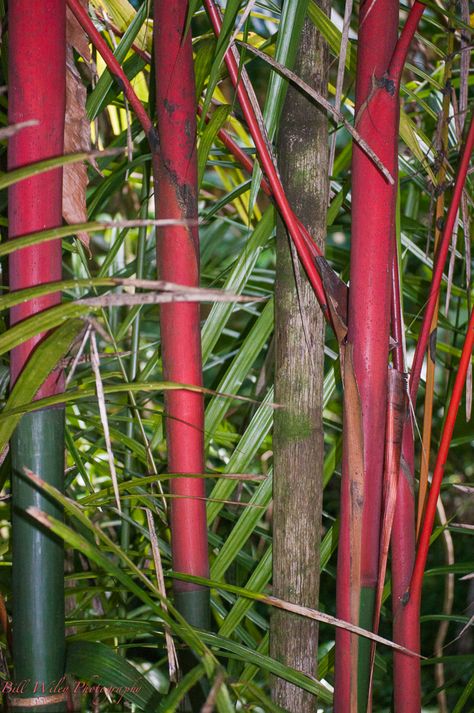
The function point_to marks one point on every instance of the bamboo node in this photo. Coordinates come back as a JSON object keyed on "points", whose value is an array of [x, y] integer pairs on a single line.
{"points": [[34, 701]]}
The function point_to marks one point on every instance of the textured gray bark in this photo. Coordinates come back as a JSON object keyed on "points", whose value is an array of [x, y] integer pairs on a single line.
{"points": [[299, 356]]}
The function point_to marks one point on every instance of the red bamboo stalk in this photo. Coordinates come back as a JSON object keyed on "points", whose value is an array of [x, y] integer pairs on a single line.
{"points": [[407, 684], [446, 437], [36, 91], [304, 253], [178, 261], [407, 626], [368, 320], [445, 242]]}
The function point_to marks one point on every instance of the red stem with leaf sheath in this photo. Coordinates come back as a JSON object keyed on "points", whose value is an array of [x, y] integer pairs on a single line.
{"points": [[175, 169], [368, 328], [380, 63]]}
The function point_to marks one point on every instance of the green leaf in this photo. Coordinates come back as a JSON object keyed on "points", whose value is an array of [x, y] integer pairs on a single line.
{"points": [[465, 696], [243, 529], [99, 97], [331, 34], [203, 62], [236, 282], [256, 583], [226, 647], [238, 370], [146, 594], [216, 122], [173, 699], [96, 664], [243, 454], [42, 361], [43, 236], [230, 13], [287, 43], [33, 169]]}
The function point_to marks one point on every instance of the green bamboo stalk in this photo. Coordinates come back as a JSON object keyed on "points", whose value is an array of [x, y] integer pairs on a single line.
{"points": [[38, 557]]}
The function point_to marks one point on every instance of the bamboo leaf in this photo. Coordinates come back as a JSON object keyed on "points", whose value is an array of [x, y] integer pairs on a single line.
{"points": [[97, 664], [239, 368], [33, 169], [39, 366], [243, 529], [217, 121], [100, 96], [288, 38], [236, 281]]}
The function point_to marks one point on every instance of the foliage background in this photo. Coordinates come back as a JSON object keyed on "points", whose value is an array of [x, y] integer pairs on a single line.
{"points": [[114, 614]]}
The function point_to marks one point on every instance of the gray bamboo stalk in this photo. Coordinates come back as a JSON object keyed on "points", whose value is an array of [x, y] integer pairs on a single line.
{"points": [[299, 358]]}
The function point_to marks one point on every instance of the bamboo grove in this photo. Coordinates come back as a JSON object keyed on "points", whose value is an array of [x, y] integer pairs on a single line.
{"points": [[236, 348]]}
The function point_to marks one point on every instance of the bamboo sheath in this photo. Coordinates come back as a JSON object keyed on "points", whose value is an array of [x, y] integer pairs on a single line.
{"points": [[381, 59], [37, 65]]}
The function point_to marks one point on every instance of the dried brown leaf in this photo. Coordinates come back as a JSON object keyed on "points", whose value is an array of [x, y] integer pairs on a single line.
{"points": [[95, 362], [77, 128], [13, 129], [354, 437], [397, 403], [173, 664]]}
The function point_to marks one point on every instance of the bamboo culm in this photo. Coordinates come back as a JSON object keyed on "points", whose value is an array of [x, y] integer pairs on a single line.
{"points": [[37, 65], [175, 174]]}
